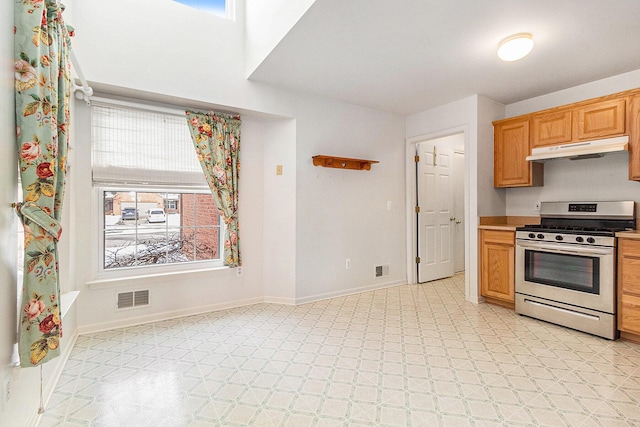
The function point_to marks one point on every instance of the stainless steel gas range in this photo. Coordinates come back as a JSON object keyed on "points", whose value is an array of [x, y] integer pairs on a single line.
{"points": [[566, 266]]}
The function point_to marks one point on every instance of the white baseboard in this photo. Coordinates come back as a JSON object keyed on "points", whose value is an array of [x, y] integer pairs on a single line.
{"points": [[341, 293], [280, 300], [166, 315], [156, 317]]}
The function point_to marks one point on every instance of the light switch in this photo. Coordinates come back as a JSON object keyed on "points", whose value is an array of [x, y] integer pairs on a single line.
{"points": [[278, 169]]}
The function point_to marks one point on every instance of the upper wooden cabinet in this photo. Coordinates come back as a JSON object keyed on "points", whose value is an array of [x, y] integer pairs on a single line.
{"points": [[510, 147], [604, 117], [600, 119], [634, 137], [551, 128]]}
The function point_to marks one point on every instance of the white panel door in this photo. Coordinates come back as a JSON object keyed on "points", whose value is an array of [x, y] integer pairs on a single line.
{"points": [[436, 218]]}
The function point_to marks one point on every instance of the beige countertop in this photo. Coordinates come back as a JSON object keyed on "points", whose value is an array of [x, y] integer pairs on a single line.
{"points": [[506, 223], [503, 227], [633, 234], [510, 226]]}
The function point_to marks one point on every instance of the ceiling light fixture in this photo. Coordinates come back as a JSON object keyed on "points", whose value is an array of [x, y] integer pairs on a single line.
{"points": [[515, 47]]}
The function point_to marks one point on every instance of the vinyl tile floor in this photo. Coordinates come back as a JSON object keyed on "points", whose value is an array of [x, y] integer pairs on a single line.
{"points": [[412, 355]]}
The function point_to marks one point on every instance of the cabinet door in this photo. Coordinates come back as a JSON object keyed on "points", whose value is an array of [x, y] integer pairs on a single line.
{"points": [[551, 128], [634, 138], [510, 148], [600, 119], [498, 265], [629, 286]]}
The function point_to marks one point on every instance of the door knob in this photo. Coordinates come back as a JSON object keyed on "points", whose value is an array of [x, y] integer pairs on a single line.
{"points": [[453, 218], [458, 221]]}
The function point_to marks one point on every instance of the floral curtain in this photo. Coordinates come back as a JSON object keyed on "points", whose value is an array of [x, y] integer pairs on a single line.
{"points": [[216, 138], [42, 91]]}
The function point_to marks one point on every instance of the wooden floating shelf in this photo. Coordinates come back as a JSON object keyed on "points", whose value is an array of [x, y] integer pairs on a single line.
{"points": [[343, 162]]}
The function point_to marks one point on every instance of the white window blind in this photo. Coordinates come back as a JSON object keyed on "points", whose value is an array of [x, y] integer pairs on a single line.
{"points": [[136, 146]]}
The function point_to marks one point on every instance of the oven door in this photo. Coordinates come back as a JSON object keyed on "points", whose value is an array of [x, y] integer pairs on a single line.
{"points": [[577, 275]]}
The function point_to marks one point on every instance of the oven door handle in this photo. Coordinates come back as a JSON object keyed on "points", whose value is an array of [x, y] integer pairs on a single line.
{"points": [[563, 249]]}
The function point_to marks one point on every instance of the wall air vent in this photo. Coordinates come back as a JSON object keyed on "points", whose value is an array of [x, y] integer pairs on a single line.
{"points": [[381, 271], [133, 299]]}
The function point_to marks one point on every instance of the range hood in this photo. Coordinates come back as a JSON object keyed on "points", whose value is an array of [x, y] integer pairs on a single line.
{"points": [[580, 150]]}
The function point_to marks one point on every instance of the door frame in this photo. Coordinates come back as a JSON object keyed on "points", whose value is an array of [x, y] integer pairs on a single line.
{"points": [[438, 269], [470, 220]]}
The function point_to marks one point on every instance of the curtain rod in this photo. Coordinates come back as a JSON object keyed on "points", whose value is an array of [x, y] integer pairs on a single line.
{"points": [[174, 110], [140, 106], [81, 92]]}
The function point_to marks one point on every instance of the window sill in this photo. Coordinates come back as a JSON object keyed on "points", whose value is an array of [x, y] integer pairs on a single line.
{"points": [[105, 283]]}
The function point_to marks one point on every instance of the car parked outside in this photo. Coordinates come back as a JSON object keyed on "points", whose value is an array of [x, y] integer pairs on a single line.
{"points": [[156, 215], [129, 213]]}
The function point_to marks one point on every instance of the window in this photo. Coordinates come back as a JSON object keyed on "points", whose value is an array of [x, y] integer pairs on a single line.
{"points": [[157, 208], [138, 232], [216, 7]]}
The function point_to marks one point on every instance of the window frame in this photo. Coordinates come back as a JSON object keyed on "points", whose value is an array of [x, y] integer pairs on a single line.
{"points": [[102, 277], [152, 269]]}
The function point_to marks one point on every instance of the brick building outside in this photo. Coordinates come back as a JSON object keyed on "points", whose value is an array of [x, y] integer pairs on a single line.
{"points": [[199, 211]]}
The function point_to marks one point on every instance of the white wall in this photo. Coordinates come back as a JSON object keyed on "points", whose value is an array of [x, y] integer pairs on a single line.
{"points": [[605, 178], [296, 229], [472, 116], [268, 21], [491, 201], [342, 214], [279, 211], [172, 295], [619, 83]]}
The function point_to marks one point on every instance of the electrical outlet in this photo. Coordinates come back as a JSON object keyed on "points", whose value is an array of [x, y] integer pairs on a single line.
{"points": [[348, 263], [238, 271], [537, 207]]}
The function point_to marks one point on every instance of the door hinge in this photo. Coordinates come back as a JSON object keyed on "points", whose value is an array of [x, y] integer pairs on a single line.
{"points": [[417, 260], [435, 156], [417, 209], [416, 159]]}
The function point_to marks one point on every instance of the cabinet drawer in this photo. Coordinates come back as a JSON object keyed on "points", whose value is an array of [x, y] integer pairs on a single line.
{"points": [[629, 247], [499, 237], [551, 129], [600, 119]]}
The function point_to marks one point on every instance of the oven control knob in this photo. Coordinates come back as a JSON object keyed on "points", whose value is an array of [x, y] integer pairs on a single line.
{"points": [[532, 236], [559, 237], [579, 239], [540, 236], [591, 240]]}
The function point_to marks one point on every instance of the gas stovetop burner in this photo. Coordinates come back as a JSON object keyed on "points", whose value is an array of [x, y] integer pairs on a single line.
{"points": [[585, 218], [576, 229], [580, 223]]}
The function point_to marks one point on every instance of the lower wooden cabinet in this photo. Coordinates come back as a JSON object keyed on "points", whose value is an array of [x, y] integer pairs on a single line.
{"points": [[629, 286], [497, 266]]}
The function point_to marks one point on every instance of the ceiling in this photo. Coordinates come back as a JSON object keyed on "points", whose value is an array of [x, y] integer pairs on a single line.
{"points": [[406, 56]]}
